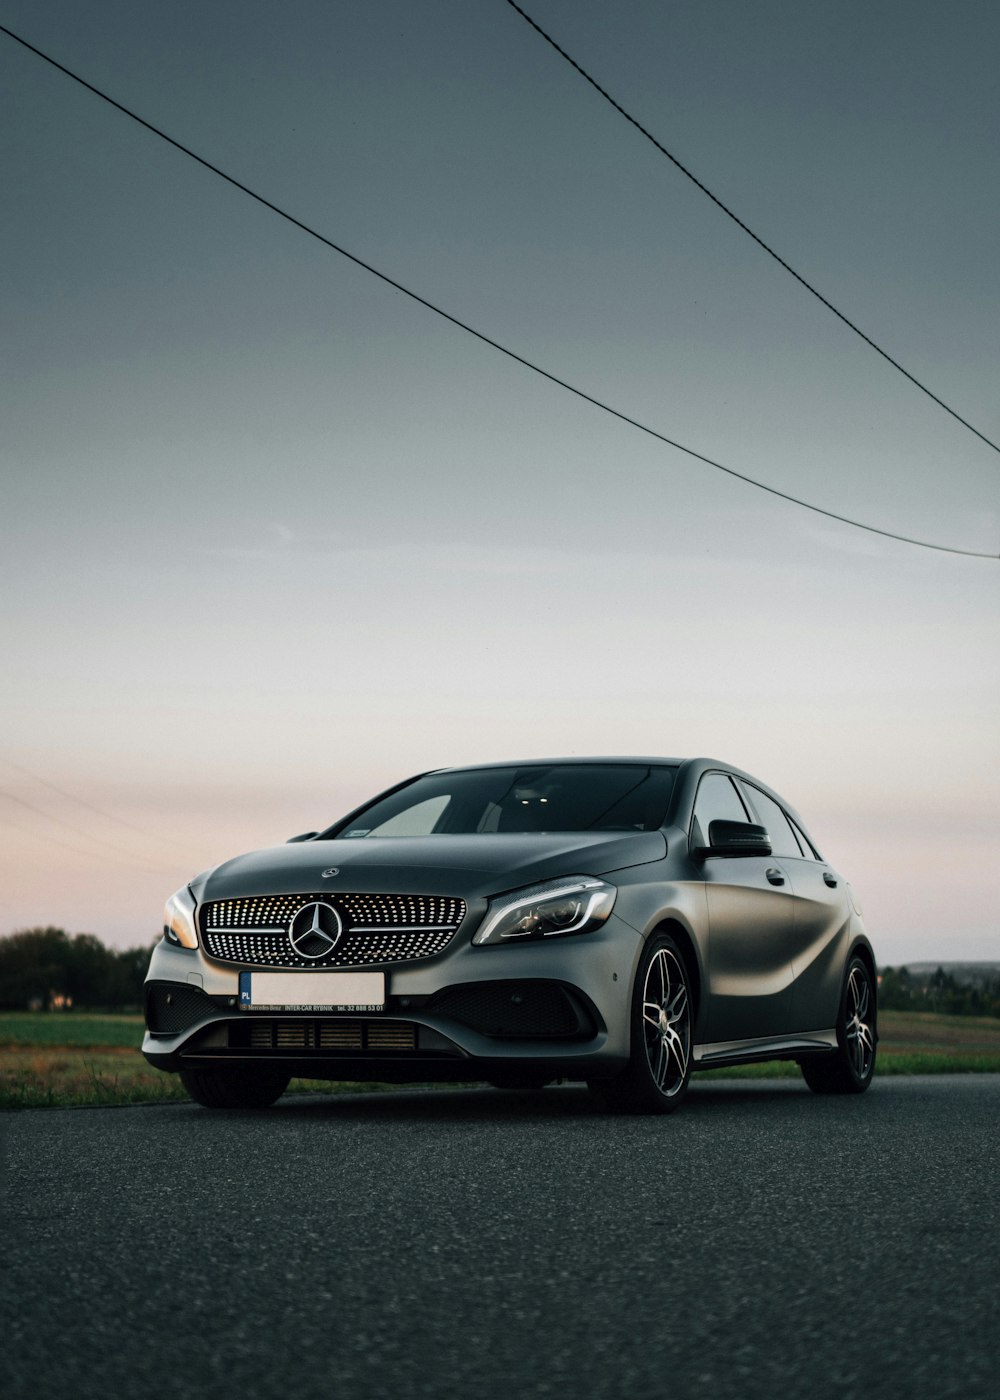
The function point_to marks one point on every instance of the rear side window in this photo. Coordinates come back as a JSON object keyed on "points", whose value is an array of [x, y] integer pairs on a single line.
{"points": [[779, 829], [808, 849]]}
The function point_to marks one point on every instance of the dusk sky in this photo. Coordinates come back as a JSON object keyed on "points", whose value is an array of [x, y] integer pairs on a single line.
{"points": [[274, 536]]}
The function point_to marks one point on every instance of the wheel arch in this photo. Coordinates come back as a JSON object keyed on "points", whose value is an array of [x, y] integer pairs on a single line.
{"points": [[862, 949]]}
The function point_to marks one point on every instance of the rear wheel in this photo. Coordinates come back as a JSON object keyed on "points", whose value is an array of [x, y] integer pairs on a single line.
{"points": [[242, 1088], [849, 1069], [656, 1077]]}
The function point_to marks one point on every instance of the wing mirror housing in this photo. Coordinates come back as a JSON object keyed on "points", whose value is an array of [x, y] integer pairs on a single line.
{"points": [[306, 836], [736, 839]]}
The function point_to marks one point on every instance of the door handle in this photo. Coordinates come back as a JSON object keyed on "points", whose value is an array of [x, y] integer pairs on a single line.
{"points": [[775, 876], [829, 879]]}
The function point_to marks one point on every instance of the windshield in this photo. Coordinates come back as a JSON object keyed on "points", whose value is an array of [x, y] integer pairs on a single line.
{"points": [[539, 798]]}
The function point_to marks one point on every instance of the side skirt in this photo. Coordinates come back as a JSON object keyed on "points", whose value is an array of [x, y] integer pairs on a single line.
{"points": [[783, 1047]]}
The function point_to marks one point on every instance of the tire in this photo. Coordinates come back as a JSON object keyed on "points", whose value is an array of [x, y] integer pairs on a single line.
{"points": [[849, 1068], [243, 1088], [662, 1017]]}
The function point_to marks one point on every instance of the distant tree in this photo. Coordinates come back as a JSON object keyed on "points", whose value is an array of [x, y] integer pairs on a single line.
{"points": [[895, 991], [34, 967], [900, 990], [39, 966]]}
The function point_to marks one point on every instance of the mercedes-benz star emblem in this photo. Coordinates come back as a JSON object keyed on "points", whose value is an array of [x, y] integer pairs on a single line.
{"points": [[315, 930], [330, 871]]}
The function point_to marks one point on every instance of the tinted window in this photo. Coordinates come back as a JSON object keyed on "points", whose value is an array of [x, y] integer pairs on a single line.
{"points": [[544, 797], [783, 842], [717, 800], [808, 849]]}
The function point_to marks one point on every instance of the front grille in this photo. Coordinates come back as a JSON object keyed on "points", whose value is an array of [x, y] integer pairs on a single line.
{"points": [[267, 1034], [375, 928], [515, 1010]]}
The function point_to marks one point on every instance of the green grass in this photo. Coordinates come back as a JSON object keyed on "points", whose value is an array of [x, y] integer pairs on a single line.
{"points": [[63, 1059], [75, 1059], [65, 1028], [48, 1076]]}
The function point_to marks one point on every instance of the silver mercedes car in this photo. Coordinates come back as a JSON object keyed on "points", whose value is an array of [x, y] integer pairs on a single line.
{"points": [[617, 921]]}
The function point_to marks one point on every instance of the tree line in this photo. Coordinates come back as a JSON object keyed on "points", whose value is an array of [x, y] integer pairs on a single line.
{"points": [[901, 990], [45, 969], [48, 969]]}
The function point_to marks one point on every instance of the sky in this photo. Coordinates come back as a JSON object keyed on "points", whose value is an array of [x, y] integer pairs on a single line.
{"points": [[273, 536]]}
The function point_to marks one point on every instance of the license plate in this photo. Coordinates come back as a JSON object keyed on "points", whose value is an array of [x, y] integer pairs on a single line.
{"points": [[312, 991]]}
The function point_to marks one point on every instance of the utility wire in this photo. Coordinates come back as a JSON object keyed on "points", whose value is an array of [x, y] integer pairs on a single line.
{"points": [[48, 841], [737, 220], [81, 802], [479, 335], [99, 840]]}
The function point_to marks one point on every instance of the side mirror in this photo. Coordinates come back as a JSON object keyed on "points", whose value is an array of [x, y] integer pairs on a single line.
{"points": [[306, 836], [737, 839]]}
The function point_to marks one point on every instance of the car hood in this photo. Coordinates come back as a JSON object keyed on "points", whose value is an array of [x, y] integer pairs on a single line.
{"points": [[468, 866]]}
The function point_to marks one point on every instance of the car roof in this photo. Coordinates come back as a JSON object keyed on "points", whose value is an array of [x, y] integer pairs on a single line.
{"points": [[575, 759]]}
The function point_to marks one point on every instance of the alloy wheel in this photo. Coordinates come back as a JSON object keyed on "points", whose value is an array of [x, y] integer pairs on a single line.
{"points": [[859, 1037], [666, 1022]]}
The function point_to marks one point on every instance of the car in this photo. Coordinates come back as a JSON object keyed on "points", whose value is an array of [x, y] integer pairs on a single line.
{"points": [[621, 922]]}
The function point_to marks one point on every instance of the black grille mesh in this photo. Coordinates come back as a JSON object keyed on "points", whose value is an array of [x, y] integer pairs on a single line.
{"points": [[173, 1006], [516, 1010], [377, 928]]}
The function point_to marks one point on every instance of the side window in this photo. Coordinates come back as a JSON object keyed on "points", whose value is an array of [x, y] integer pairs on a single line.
{"points": [[717, 800], [808, 849], [783, 842]]}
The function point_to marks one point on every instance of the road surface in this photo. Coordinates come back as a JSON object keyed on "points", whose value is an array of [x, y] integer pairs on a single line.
{"points": [[467, 1243]]}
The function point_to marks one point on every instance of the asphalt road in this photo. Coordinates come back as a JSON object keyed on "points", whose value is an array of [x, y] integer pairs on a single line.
{"points": [[764, 1242]]}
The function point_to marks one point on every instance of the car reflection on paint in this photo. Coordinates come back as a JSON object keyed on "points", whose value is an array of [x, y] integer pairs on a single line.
{"points": [[621, 922]]}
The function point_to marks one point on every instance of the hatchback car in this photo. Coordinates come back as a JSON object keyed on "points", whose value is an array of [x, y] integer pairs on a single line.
{"points": [[617, 921]]}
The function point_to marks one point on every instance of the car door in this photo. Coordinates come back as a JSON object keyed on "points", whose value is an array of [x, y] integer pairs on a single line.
{"points": [[821, 916], [750, 927]]}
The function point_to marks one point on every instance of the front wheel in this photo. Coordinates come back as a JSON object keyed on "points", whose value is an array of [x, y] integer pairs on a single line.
{"points": [[656, 1077], [849, 1068], [243, 1088]]}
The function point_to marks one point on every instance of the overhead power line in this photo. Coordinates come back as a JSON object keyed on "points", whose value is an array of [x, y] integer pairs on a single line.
{"points": [[48, 840], [480, 335], [747, 230], [78, 831], [90, 806]]}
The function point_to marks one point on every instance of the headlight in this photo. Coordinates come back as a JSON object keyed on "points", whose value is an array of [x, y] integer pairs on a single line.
{"points": [[178, 920], [576, 904]]}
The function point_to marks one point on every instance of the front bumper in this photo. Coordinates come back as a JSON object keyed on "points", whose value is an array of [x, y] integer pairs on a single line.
{"points": [[558, 1009]]}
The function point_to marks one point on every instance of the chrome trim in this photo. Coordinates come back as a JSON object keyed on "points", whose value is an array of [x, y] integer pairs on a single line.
{"points": [[765, 1045], [401, 928]]}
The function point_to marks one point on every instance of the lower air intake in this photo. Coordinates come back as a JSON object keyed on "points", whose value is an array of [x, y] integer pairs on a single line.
{"points": [[263, 1033], [515, 1010]]}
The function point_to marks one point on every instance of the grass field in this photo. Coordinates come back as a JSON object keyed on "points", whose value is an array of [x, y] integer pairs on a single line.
{"points": [[64, 1059]]}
